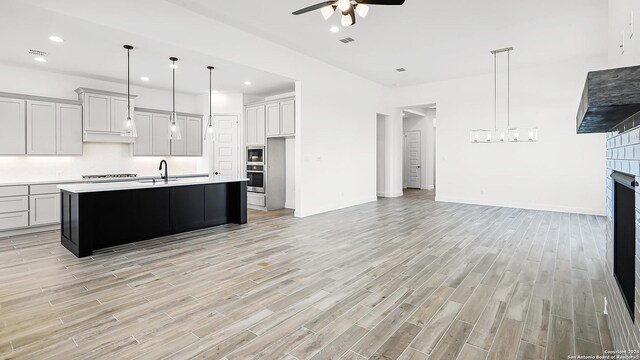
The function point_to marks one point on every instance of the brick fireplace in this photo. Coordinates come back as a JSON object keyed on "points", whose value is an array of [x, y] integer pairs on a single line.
{"points": [[623, 235]]}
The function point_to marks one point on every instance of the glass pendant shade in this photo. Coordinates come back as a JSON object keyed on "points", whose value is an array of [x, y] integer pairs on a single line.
{"points": [[208, 132], [327, 11], [362, 10], [174, 129], [481, 136], [129, 127]]}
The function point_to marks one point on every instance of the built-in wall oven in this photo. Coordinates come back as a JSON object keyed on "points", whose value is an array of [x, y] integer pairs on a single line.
{"points": [[255, 169]]}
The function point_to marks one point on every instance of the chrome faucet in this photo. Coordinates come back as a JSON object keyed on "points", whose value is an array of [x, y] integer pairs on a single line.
{"points": [[165, 177]]}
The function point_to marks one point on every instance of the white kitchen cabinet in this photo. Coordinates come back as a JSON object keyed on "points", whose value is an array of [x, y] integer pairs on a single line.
{"points": [[179, 147], [68, 129], [255, 124], [53, 129], [118, 114], [160, 143], [273, 119], [288, 117], [194, 136], [44, 209], [14, 220], [143, 145], [97, 113], [13, 125], [41, 128], [14, 204], [104, 115]]}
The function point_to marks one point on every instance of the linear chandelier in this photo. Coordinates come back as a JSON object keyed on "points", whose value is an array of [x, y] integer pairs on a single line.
{"points": [[508, 134]]}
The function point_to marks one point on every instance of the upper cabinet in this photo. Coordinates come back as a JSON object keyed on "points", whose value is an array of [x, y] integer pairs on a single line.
{"points": [[41, 128], [153, 134], [104, 115], [274, 119], [34, 125], [194, 136], [12, 122], [143, 145], [288, 117], [255, 120], [54, 128], [68, 129]]}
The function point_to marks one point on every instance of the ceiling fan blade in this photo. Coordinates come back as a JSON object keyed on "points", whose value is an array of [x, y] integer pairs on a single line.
{"points": [[381, 2], [313, 7]]}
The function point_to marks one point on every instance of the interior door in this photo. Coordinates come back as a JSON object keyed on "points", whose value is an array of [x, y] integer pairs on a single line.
{"points": [[226, 156], [412, 160]]}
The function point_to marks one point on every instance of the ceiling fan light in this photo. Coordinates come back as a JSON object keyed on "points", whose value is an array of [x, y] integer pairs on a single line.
{"points": [[346, 20], [344, 5], [362, 10], [327, 11]]}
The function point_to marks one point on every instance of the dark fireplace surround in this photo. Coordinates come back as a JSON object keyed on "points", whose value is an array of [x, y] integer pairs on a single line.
{"points": [[624, 237]]}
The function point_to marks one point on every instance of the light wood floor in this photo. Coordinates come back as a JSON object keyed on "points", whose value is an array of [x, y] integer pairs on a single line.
{"points": [[403, 278]]}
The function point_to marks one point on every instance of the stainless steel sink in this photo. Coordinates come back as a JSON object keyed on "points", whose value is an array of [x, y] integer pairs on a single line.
{"points": [[154, 181]]}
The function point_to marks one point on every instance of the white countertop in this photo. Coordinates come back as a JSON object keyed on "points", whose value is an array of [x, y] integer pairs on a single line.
{"points": [[133, 185], [78, 180]]}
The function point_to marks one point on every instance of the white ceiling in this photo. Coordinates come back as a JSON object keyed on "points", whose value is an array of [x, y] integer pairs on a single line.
{"points": [[433, 40], [96, 51]]}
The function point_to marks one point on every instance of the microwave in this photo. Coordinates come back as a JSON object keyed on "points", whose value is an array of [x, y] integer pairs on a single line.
{"points": [[255, 155]]}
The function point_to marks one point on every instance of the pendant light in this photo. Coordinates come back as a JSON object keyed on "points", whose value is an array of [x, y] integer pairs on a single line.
{"points": [[507, 134], [208, 134], [174, 128], [129, 124]]}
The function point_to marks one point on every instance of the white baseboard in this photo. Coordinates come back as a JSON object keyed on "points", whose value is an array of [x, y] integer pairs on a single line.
{"points": [[540, 207], [29, 230], [316, 211], [430, 187]]}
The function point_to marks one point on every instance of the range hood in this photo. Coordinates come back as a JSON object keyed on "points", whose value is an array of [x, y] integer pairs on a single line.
{"points": [[609, 98]]}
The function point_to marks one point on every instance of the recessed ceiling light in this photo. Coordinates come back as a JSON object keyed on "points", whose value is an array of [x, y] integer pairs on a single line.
{"points": [[56, 38], [247, 83], [334, 29], [40, 59], [144, 78]]}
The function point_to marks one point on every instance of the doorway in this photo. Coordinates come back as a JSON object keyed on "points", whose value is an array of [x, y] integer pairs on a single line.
{"points": [[412, 159], [226, 146], [419, 160]]}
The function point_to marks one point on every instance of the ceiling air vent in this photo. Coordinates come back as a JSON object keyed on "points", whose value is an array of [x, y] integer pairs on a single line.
{"points": [[401, 69], [347, 40], [37, 52]]}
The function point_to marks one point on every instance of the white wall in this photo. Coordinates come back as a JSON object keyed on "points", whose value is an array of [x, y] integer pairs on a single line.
{"points": [[563, 171], [290, 177], [423, 124], [97, 158], [380, 155], [619, 23]]}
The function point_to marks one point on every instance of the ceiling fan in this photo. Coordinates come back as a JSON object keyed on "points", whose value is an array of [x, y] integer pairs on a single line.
{"points": [[348, 8]]}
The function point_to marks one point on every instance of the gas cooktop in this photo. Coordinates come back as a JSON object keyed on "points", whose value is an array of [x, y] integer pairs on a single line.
{"points": [[109, 176]]}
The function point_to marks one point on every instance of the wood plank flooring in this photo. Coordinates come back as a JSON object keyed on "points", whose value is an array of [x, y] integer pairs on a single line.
{"points": [[404, 278]]}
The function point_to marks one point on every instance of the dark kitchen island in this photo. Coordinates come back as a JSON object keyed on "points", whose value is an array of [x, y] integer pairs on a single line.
{"points": [[97, 216]]}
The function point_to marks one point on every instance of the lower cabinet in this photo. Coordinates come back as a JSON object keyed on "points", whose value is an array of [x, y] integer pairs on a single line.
{"points": [[14, 220], [44, 209], [255, 199]]}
